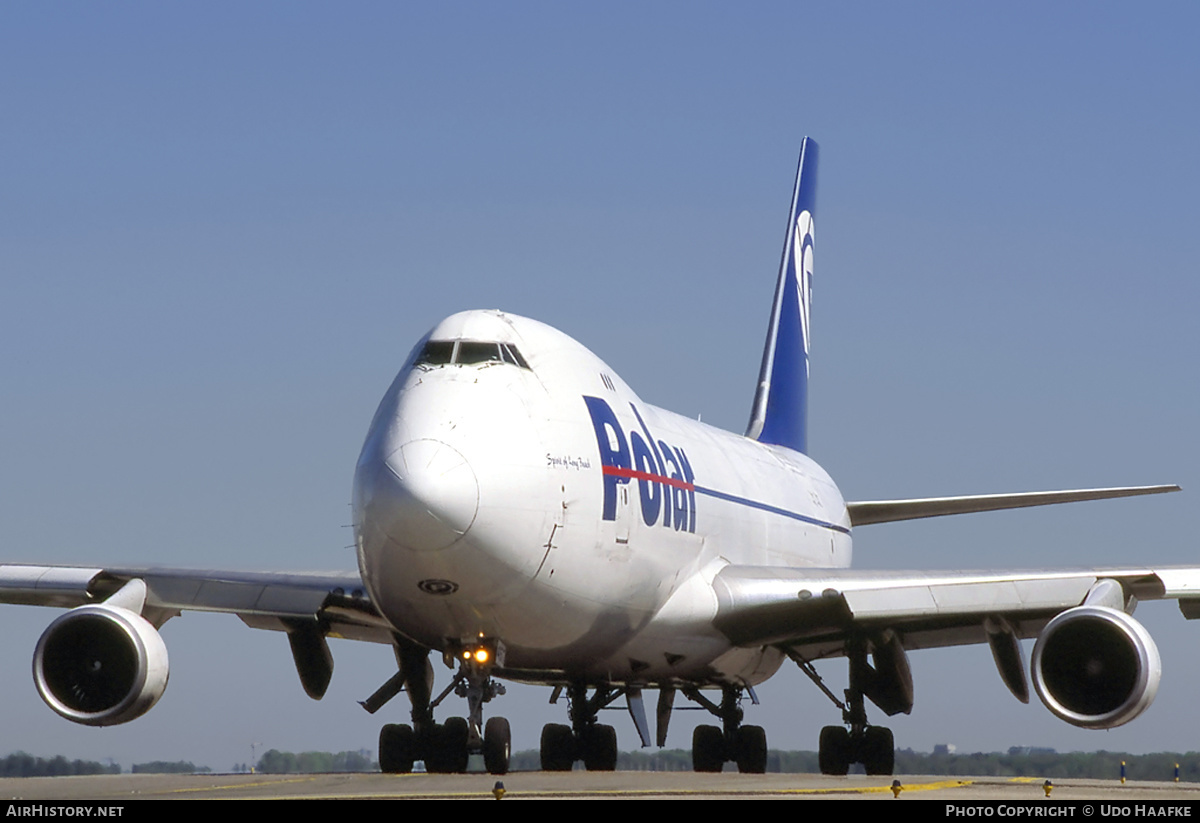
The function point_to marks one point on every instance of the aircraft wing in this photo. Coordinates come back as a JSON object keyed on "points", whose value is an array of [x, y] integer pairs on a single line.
{"points": [[337, 601], [814, 612], [889, 511]]}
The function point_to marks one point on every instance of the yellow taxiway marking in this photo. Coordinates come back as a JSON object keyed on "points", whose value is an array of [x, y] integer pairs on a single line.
{"points": [[227, 786], [908, 787]]}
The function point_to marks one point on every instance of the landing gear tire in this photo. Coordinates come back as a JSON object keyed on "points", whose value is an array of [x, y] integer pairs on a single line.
{"points": [[750, 750], [447, 748], [457, 732], [834, 754], [708, 749], [599, 747], [397, 749], [497, 745], [558, 748], [878, 750]]}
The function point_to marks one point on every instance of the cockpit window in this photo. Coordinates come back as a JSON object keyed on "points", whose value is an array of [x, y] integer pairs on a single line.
{"points": [[471, 352], [468, 352], [436, 353], [511, 355]]}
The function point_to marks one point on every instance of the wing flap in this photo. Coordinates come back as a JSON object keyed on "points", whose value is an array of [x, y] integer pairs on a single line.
{"points": [[968, 598]]}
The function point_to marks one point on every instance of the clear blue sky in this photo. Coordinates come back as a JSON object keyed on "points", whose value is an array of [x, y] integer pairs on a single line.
{"points": [[223, 225]]}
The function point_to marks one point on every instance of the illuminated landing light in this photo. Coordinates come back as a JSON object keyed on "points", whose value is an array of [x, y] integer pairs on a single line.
{"points": [[482, 654]]}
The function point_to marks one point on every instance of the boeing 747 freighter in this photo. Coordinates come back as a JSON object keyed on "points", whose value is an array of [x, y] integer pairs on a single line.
{"points": [[520, 513]]}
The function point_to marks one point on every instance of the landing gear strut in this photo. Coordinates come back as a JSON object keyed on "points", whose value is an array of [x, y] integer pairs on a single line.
{"points": [[872, 746], [585, 739], [446, 747], [712, 747]]}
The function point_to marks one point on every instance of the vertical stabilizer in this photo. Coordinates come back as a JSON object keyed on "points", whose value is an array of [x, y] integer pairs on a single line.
{"points": [[780, 411]]}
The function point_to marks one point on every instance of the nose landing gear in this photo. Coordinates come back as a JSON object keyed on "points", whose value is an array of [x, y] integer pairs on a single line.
{"points": [[445, 747], [474, 682]]}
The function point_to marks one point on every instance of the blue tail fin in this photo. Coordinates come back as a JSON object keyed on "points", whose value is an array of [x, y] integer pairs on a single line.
{"points": [[780, 411]]}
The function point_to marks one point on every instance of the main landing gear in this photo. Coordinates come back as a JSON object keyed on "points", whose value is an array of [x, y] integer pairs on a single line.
{"points": [[444, 747], [712, 747], [585, 739], [888, 683]]}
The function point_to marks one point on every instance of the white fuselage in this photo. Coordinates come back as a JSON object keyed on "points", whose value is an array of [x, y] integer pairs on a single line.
{"points": [[525, 493]]}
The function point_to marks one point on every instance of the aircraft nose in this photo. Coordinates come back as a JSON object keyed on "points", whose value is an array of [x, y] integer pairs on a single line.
{"points": [[425, 495]]}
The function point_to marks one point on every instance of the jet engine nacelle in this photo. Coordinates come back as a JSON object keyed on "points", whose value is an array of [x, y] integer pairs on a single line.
{"points": [[1096, 667], [100, 665]]}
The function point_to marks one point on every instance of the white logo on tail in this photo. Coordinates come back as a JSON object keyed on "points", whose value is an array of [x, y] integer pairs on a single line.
{"points": [[802, 259]]}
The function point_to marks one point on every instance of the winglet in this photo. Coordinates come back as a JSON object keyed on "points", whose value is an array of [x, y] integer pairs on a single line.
{"points": [[780, 411]]}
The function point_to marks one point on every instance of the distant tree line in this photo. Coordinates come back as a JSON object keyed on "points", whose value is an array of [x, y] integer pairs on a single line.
{"points": [[169, 767], [21, 764]]}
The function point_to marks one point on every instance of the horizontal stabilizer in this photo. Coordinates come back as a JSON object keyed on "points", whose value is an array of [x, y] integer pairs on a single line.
{"points": [[887, 511]]}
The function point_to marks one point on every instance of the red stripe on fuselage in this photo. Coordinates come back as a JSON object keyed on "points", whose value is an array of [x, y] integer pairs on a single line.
{"points": [[617, 471]]}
